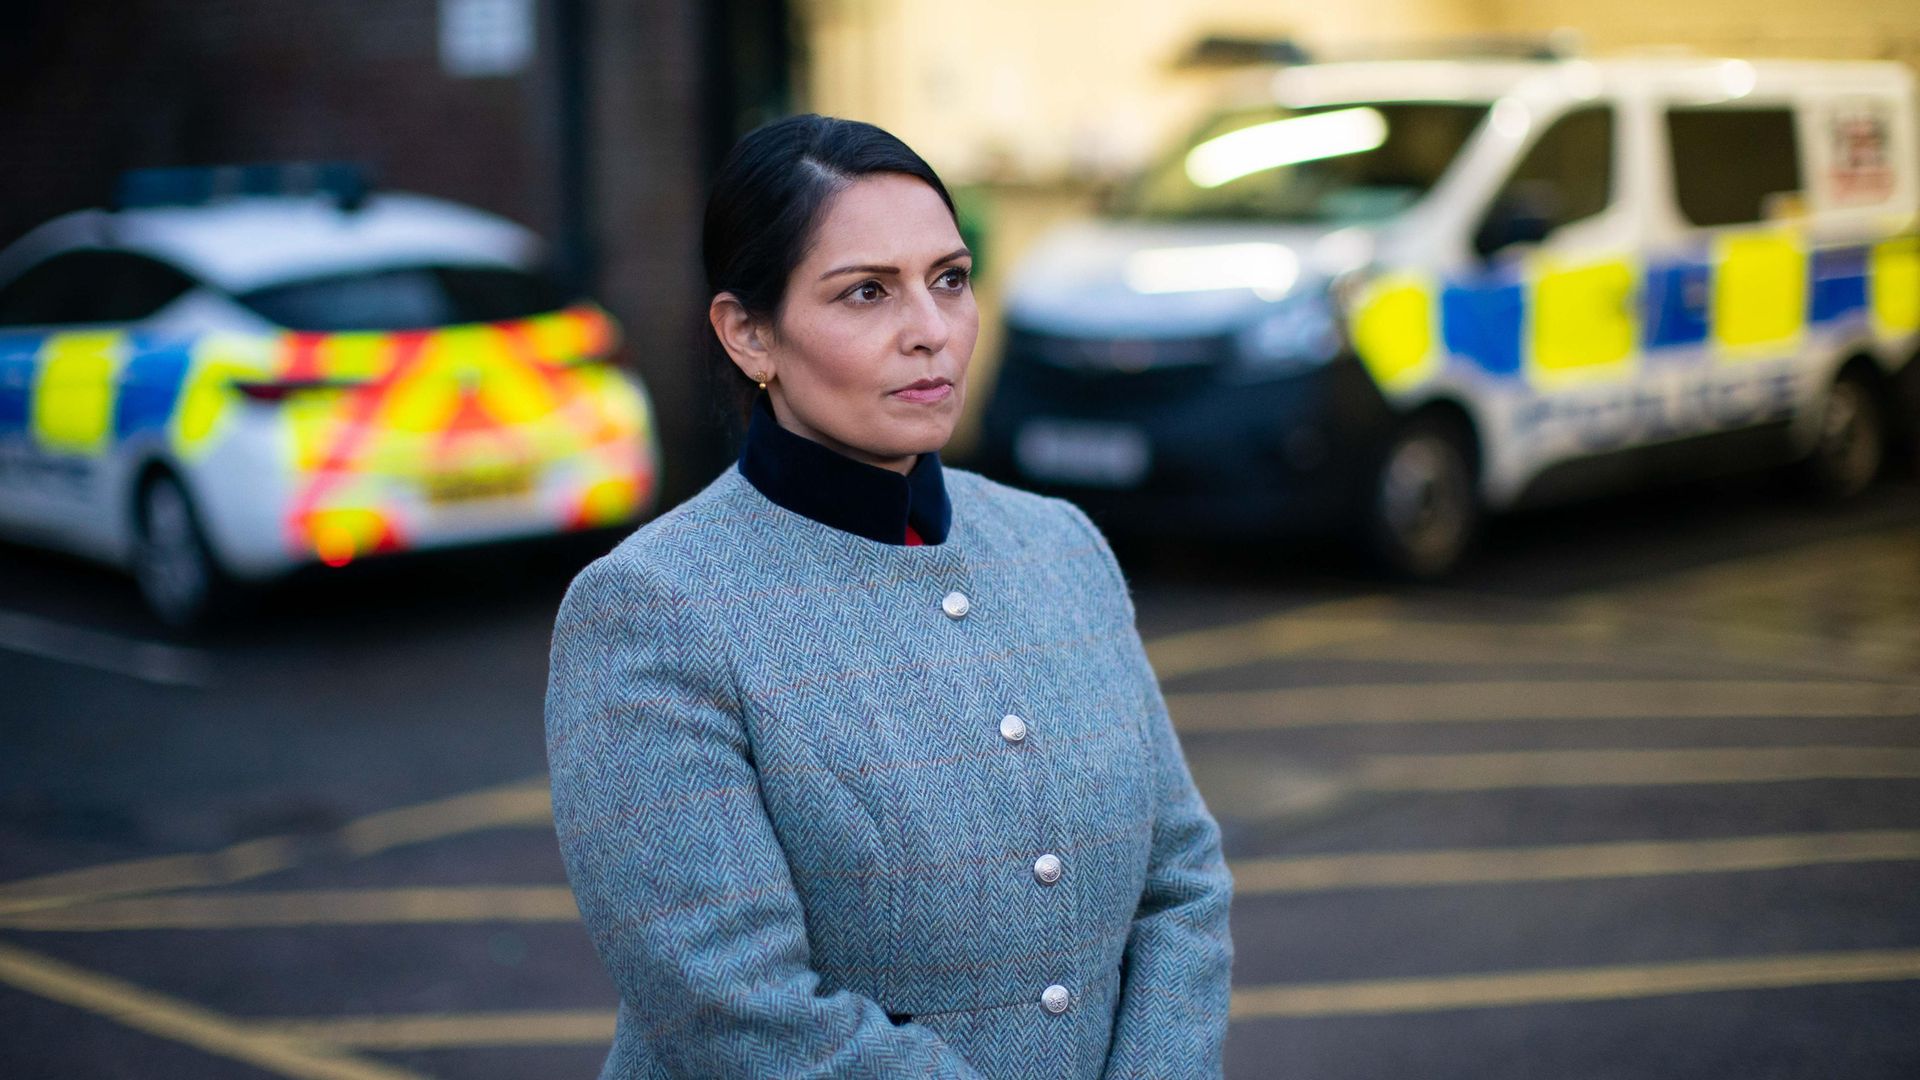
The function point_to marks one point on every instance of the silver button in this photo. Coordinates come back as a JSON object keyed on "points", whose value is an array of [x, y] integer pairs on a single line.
{"points": [[1047, 868], [956, 605], [1012, 728], [1055, 999]]}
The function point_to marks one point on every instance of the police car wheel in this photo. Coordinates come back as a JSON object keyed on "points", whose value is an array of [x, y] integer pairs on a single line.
{"points": [[1423, 509], [1852, 443], [176, 572]]}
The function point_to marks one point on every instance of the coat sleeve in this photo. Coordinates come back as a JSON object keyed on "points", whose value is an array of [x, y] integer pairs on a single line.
{"points": [[1176, 984], [679, 876]]}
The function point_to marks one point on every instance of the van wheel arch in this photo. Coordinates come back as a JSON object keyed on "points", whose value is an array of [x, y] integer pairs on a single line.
{"points": [[1837, 465], [1421, 507]]}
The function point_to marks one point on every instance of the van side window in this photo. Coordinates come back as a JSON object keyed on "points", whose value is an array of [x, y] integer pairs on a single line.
{"points": [[90, 286], [1567, 176], [1734, 166]]}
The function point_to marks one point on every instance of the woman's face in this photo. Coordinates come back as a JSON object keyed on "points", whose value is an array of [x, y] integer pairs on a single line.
{"points": [[870, 348]]}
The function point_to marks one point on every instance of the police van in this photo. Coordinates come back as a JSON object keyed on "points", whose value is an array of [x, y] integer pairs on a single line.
{"points": [[1392, 295], [236, 372]]}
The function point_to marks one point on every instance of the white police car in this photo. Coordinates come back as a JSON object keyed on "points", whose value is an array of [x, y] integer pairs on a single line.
{"points": [[240, 371], [1389, 294]]}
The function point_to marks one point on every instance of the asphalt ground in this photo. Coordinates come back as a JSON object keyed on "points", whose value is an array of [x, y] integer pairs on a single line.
{"points": [[1637, 795]]}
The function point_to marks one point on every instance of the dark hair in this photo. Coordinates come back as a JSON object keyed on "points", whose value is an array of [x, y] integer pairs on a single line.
{"points": [[767, 200]]}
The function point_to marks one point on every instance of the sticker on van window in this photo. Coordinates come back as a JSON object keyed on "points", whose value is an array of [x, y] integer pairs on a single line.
{"points": [[1860, 170]]}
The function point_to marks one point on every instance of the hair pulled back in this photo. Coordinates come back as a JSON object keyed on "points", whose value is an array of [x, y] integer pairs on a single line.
{"points": [[768, 199]]}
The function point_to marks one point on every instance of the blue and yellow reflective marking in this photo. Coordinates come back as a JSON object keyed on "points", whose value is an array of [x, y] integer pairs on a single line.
{"points": [[1393, 330], [1675, 298], [1759, 294], [19, 355], [71, 409], [150, 387], [1584, 324], [1894, 276], [1555, 323]]}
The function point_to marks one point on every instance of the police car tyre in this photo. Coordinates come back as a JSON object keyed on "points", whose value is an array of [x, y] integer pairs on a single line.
{"points": [[1423, 511], [178, 577], [1852, 441]]}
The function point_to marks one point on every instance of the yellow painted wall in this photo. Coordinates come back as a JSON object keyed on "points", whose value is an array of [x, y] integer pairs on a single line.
{"points": [[998, 89], [1805, 29], [1053, 90]]}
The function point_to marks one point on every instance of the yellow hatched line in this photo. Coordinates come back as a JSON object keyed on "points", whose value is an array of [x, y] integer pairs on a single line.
{"points": [[253, 858], [1334, 622], [1371, 997], [1615, 699], [553, 1027], [1252, 877], [522, 804], [1615, 768], [316, 907], [1546, 986], [168, 1018], [1569, 862]]}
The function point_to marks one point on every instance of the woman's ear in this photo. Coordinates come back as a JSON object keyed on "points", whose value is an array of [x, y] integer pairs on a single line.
{"points": [[744, 338]]}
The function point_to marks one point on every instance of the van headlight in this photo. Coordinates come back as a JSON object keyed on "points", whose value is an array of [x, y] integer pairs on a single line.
{"points": [[1297, 332]]}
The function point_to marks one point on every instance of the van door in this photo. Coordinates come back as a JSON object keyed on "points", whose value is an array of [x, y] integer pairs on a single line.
{"points": [[1728, 302], [1550, 315]]}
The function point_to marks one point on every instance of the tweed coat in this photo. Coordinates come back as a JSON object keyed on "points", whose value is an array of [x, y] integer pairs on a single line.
{"points": [[803, 834]]}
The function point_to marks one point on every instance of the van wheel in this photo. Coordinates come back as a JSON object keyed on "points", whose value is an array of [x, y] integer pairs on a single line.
{"points": [[1422, 511], [1852, 442], [179, 579]]}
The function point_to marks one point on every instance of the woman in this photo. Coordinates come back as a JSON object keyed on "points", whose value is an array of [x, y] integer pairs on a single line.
{"points": [[858, 765]]}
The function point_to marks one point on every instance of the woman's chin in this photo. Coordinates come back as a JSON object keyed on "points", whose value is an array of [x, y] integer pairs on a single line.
{"points": [[925, 435]]}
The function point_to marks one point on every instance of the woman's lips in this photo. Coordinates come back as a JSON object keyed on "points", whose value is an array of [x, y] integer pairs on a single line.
{"points": [[925, 392]]}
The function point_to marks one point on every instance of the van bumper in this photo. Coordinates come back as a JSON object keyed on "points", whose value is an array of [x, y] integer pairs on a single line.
{"points": [[1284, 456]]}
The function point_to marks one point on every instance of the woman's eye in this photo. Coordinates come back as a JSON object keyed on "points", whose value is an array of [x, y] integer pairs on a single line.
{"points": [[867, 291], [955, 278]]}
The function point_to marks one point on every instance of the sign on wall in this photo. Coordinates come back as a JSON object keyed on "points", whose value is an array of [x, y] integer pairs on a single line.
{"points": [[480, 38]]}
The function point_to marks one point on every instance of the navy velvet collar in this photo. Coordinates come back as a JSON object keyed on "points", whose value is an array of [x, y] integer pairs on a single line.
{"points": [[833, 489]]}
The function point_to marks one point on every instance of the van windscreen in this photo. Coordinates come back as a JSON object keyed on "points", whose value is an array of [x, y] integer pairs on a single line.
{"points": [[1336, 164], [406, 298]]}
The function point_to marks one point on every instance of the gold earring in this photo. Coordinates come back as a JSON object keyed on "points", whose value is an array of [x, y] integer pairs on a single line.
{"points": [[761, 378]]}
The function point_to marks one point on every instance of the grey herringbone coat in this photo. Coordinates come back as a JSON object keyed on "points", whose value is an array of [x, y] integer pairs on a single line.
{"points": [[803, 836]]}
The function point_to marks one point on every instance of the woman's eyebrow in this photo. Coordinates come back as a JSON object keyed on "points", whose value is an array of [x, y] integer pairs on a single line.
{"points": [[873, 268]]}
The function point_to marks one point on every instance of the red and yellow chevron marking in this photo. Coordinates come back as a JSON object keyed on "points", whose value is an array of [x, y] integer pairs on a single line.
{"points": [[456, 413]]}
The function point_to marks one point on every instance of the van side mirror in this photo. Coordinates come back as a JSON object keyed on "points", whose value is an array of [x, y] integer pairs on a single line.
{"points": [[1518, 216]]}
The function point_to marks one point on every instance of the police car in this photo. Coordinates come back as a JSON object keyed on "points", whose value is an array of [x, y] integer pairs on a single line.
{"points": [[1388, 295], [241, 371]]}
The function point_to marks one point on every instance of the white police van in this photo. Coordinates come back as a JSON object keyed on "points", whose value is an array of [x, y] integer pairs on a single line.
{"points": [[240, 371], [1392, 294]]}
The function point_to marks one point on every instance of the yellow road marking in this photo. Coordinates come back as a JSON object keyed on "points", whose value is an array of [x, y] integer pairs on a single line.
{"points": [[521, 804], [1298, 1001], [168, 1018], [527, 803], [1613, 699], [556, 1027], [316, 907], [1800, 565], [1568, 862], [1608, 768], [1559, 985], [237, 863], [1311, 627]]}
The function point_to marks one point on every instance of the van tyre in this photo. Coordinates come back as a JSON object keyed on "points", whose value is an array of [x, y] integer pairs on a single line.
{"points": [[1423, 509], [178, 576], [1852, 441]]}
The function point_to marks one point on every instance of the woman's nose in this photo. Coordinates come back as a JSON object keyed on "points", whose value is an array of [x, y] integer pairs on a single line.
{"points": [[926, 326]]}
